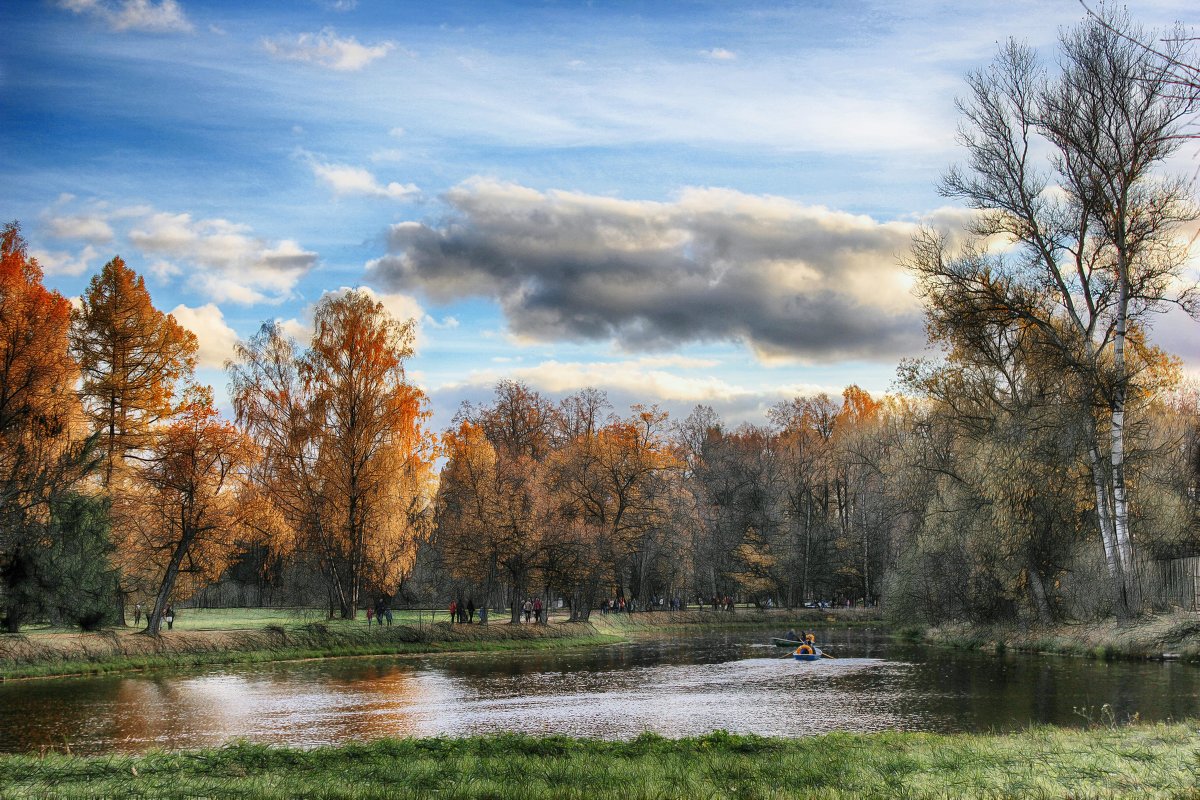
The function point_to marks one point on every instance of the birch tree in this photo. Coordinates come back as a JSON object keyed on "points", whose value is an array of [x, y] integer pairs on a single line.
{"points": [[1075, 231]]}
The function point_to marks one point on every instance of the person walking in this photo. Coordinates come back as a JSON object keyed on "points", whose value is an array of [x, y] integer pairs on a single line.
{"points": [[137, 614], [470, 609], [370, 615], [169, 616], [537, 610], [453, 610], [527, 609]]}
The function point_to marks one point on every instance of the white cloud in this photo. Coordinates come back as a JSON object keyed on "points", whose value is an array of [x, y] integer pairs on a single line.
{"points": [[165, 16], [446, 323], [89, 227], [634, 376], [223, 259], [719, 54], [56, 262], [346, 180], [326, 49], [397, 132], [215, 337]]}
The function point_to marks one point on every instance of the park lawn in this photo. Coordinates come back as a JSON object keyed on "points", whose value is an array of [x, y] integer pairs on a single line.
{"points": [[1147, 761]]}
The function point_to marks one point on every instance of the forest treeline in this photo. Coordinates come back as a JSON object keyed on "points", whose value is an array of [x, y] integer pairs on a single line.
{"points": [[1043, 465]]}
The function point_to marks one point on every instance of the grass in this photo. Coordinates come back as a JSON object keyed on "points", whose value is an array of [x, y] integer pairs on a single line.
{"points": [[1152, 761], [238, 636], [1150, 637], [83, 654]]}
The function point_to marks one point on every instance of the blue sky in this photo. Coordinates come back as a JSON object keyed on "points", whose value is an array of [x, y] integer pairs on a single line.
{"points": [[680, 203]]}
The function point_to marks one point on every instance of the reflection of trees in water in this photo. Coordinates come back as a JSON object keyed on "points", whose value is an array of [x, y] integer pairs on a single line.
{"points": [[716, 678]]}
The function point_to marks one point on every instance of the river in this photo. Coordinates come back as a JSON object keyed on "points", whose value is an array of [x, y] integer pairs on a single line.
{"points": [[674, 686]]}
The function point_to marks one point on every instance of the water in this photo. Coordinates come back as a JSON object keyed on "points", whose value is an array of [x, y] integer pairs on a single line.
{"points": [[672, 686]]}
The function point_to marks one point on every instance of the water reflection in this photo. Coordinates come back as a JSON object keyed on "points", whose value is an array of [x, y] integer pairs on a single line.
{"points": [[675, 687]]}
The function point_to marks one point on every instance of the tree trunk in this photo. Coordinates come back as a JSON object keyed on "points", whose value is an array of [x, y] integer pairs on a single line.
{"points": [[168, 583], [1037, 592], [1104, 518]]}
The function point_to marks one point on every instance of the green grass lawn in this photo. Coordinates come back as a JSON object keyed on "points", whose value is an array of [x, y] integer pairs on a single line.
{"points": [[1158, 761]]}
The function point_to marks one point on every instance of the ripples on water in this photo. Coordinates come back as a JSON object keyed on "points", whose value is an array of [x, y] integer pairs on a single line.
{"points": [[674, 687]]}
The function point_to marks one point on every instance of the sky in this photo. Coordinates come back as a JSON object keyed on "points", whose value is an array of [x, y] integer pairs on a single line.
{"points": [[678, 203]]}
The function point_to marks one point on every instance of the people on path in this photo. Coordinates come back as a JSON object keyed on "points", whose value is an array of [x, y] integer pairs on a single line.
{"points": [[471, 609], [483, 614], [137, 614], [527, 609], [537, 610], [370, 615], [169, 616], [453, 611]]}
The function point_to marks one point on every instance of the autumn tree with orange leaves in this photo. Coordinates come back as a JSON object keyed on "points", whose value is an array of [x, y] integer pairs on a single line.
{"points": [[132, 356], [490, 514], [183, 511], [42, 455], [347, 461]]}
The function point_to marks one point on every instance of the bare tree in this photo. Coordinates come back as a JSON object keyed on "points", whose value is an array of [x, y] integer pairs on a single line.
{"points": [[1078, 243]]}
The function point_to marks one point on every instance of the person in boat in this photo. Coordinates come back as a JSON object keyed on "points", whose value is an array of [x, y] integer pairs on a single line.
{"points": [[791, 635]]}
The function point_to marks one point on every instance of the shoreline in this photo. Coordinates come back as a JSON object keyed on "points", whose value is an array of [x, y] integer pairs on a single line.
{"points": [[1164, 637], [62, 655], [1133, 761]]}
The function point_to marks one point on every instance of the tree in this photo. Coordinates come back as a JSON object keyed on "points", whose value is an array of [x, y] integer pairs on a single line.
{"points": [[347, 462], [65, 573], [489, 513], [184, 512], [1091, 250], [618, 482], [132, 356], [43, 453]]}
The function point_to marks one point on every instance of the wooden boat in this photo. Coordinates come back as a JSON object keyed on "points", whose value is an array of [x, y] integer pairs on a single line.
{"points": [[786, 642], [815, 655]]}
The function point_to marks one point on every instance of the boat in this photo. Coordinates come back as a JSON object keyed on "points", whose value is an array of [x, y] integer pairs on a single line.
{"points": [[786, 642], [815, 655]]}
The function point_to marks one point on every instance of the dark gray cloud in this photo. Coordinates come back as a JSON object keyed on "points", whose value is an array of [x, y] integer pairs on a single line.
{"points": [[715, 265]]}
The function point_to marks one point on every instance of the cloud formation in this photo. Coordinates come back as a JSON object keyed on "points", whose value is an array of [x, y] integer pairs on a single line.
{"points": [[347, 180], [165, 16], [325, 48], [790, 281], [57, 262], [223, 260], [214, 335], [233, 264]]}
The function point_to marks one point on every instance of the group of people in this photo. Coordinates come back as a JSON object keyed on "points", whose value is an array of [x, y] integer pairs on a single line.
{"points": [[167, 617], [380, 612], [465, 612], [533, 608], [719, 603]]}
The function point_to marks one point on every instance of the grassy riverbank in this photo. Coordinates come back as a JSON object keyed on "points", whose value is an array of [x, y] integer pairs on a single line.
{"points": [[220, 638], [1174, 635], [83, 654], [1143, 761]]}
